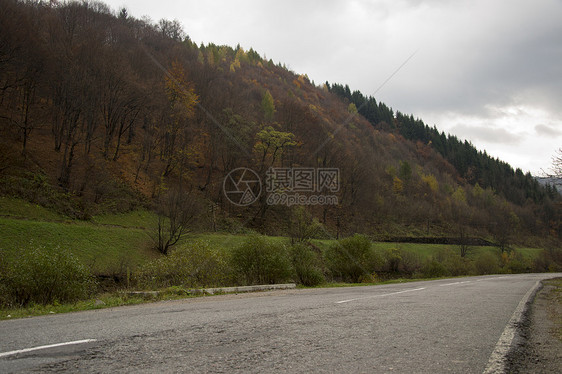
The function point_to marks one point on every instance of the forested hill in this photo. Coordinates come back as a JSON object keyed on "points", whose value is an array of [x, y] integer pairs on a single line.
{"points": [[474, 166], [100, 111]]}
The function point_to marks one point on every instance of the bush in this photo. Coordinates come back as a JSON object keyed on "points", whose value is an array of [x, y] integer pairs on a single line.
{"points": [[40, 275], [514, 262], [549, 260], [392, 260], [261, 261], [351, 258], [194, 265], [487, 263], [454, 263], [457, 265], [307, 265], [302, 226], [434, 269], [410, 262]]}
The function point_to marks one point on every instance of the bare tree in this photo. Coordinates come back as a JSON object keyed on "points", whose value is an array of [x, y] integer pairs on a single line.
{"points": [[464, 241], [114, 98], [21, 67], [504, 227], [556, 168], [24, 100], [176, 210]]}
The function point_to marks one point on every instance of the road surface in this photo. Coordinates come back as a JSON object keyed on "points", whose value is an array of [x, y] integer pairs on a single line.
{"points": [[443, 326]]}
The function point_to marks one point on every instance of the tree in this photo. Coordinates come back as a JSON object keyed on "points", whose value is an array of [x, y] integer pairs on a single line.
{"points": [[268, 106], [22, 64], [556, 168], [67, 108], [397, 185], [464, 240], [459, 195], [116, 97], [271, 144], [405, 171], [182, 99], [302, 226], [176, 211], [171, 29], [503, 227], [25, 99], [269, 147], [128, 118]]}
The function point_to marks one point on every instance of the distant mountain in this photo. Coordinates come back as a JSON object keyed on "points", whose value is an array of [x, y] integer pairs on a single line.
{"points": [[551, 181]]}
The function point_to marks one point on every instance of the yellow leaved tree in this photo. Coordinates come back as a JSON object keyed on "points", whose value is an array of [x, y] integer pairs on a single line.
{"points": [[183, 100]]}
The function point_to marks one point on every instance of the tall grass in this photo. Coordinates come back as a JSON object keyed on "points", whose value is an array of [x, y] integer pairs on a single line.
{"points": [[37, 274]]}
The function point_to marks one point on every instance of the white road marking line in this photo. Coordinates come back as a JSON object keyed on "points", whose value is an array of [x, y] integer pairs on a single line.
{"points": [[451, 284], [11, 353], [491, 278], [384, 294]]}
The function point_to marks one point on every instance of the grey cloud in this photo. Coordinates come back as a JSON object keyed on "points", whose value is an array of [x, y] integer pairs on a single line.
{"points": [[487, 134], [547, 131], [496, 53]]}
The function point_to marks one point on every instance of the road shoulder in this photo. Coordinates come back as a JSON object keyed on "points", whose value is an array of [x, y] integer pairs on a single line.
{"points": [[540, 349]]}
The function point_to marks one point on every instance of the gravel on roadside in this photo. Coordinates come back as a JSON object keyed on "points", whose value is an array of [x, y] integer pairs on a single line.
{"points": [[540, 347]]}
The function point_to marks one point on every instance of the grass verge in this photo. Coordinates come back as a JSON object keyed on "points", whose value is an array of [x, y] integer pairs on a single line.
{"points": [[102, 301], [104, 249], [555, 305]]}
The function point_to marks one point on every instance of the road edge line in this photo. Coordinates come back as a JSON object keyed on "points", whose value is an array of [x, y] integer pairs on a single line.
{"points": [[26, 350], [498, 359], [380, 295]]}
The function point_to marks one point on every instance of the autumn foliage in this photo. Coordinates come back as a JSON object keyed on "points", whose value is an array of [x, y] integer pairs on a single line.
{"points": [[112, 111]]}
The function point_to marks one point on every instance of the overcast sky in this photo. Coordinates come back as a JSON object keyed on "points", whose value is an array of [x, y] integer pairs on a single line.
{"points": [[489, 71]]}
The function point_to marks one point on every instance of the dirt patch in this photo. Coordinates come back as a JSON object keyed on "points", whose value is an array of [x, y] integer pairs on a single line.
{"points": [[540, 349]]}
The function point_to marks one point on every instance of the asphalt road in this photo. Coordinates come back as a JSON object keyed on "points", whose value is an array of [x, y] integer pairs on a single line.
{"points": [[420, 327]]}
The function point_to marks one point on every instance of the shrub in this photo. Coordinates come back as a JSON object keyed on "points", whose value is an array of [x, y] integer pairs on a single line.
{"points": [[487, 263], [194, 265], [434, 269], [302, 226], [457, 265], [36, 274], [307, 265], [548, 260], [514, 262], [454, 263], [410, 262], [259, 260], [518, 265], [351, 258], [369, 278], [392, 260]]}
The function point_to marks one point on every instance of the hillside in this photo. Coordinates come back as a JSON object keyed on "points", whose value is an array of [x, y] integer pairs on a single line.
{"points": [[105, 113]]}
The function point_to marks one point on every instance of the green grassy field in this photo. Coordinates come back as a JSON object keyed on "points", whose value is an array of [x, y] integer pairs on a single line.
{"points": [[114, 244], [17, 208], [109, 243], [106, 244], [104, 249], [137, 219]]}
